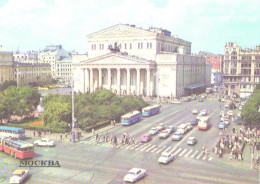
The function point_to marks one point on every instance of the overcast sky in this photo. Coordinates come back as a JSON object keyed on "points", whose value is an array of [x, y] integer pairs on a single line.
{"points": [[208, 24]]}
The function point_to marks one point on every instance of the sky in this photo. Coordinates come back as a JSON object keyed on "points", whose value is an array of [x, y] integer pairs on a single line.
{"points": [[208, 24]]}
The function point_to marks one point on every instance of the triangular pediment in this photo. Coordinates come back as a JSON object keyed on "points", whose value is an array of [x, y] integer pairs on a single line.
{"points": [[117, 59], [120, 30]]}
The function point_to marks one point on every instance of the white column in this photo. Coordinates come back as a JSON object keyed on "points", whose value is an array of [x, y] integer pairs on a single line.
{"points": [[128, 81], [91, 80], [109, 78], [138, 82], [118, 81], [86, 80], [148, 82], [99, 77]]}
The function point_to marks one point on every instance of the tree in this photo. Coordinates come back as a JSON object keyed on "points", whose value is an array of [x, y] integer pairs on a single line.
{"points": [[7, 84]]}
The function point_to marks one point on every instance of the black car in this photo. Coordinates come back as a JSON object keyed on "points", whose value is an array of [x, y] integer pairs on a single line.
{"points": [[194, 122]]}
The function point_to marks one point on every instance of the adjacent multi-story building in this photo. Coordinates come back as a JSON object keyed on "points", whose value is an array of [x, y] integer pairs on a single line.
{"points": [[6, 65], [26, 57], [133, 61], [26, 73], [241, 70], [51, 54], [63, 70]]}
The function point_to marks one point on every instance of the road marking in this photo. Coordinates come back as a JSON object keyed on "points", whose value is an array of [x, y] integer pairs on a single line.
{"points": [[141, 147], [172, 149], [210, 158], [194, 154], [200, 155], [204, 157], [154, 150], [167, 149], [161, 149], [135, 146], [182, 153], [128, 147], [91, 141], [188, 154], [177, 151], [145, 147], [150, 148]]}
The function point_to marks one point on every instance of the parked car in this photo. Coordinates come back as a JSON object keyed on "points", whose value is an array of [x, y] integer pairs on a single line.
{"points": [[194, 111], [176, 102], [222, 125], [226, 106], [161, 126], [153, 131], [191, 140], [177, 136], [189, 127], [134, 175], [146, 138], [166, 157], [164, 134], [230, 113], [19, 176], [171, 129], [44, 142], [194, 122]]}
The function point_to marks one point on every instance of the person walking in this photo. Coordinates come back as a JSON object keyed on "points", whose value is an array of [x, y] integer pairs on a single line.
{"points": [[33, 133], [61, 137]]}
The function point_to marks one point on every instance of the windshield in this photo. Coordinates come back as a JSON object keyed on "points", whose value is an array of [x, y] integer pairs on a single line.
{"points": [[16, 175], [131, 173], [164, 156]]}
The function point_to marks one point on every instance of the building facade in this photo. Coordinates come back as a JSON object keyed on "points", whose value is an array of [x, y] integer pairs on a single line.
{"points": [[26, 57], [6, 65], [63, 70], [241, 70], [134, 61], [26, 73], [52, 54]]}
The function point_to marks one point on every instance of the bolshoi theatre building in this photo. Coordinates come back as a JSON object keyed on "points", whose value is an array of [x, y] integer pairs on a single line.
{"points": [[129, 60]]}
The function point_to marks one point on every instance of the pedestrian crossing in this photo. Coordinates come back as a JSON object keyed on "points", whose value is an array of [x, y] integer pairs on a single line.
{"points": [[155, 149]]}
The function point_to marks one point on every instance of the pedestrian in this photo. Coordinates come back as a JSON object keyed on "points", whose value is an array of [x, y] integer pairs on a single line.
{"points": [[93, 131], [96, 136], [61, 137], [114, 122], [33, 133]]}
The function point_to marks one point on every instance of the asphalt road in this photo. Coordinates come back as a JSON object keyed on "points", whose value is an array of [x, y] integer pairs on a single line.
{"points": [[89, 162]]}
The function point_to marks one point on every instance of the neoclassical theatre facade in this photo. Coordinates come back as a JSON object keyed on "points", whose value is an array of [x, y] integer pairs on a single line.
{"points": [[134, 61]]}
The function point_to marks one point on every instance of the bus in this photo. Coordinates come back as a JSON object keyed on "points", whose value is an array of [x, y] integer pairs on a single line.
{"points": [[183, 128], [130, 118], [17, 133], [208, 90], [203, 123], [151, 110], [16, 148]]}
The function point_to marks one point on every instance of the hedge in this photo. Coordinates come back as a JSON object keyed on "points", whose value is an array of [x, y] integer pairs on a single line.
{"points": [[96, 126]]}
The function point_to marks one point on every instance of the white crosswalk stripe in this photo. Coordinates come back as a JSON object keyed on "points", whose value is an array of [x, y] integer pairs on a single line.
{"points": [[204, 157], [161, 149], [172, 150], [200, 155], [135, 146], [145, 148], [177, 151], [210, 158], [167, 149], [150, 148], [188, 154], [140, 147], [194, 154], [128, 147], [154, 150], [182, 153]]}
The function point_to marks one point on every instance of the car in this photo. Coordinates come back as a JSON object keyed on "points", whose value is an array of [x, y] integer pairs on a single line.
{"points": [[146, 138], [222, 125], [221, 114], [191, 140], [199, 116], [171, 129], [164, 134], [223, 99], [200, 99], [194, 111], [176, 102], [204, 112], [19, 176], [134, 175], [194, 122], [189, 127], [161, 126], [226, 106], [226, 120], [177, 136], [187, 99], [44, 142], [230, 113], [165, 158], [153, 131]]}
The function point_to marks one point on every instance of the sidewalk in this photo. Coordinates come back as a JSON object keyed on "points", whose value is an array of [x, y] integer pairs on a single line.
{"points": [[56, 136]]}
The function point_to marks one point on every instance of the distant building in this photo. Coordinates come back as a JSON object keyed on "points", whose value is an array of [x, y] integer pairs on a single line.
{"points": [[241, 70], [6, 65], [26, 57], [63, 70], [51, 54], [133, 61]]}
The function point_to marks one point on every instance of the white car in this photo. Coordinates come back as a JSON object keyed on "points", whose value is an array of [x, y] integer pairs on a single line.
{"points": [[177, 136], [44, 142], [240, 108], [153, 131], [166, 157], [204, 112], [191, 141], [134, 175], [194, 111], [230, 113], [171, 129], [161, 126], [226, 120], [19, 176], [199, 117], [226, 106], [164, 134], [175, 102]]}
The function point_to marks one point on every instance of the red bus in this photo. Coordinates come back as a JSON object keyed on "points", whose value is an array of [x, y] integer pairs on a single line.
{"points": [[16, 148]]}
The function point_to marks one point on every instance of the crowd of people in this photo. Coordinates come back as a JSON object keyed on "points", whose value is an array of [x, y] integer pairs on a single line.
{"points": [[100, 137]]}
